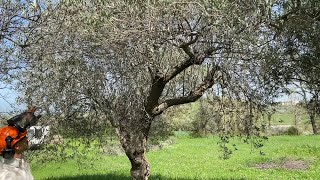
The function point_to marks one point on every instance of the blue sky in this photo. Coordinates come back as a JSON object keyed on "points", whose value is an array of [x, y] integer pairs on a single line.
{"points": [[9, 97], [8, 101]]}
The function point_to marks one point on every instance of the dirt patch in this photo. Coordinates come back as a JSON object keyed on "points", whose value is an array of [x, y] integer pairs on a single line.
{"points": [[295, 165], [285, 164]]}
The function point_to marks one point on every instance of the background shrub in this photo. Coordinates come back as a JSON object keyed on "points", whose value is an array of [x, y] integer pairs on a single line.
{"points": [[292, 131]]}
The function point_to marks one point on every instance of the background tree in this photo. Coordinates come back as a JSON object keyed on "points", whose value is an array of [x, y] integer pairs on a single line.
{"points": [[297, 25], [127, 62], [312, 105]]}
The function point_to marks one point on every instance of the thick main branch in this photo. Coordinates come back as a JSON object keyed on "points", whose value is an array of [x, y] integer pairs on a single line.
{"points": [[159, 80], [194, 95]]}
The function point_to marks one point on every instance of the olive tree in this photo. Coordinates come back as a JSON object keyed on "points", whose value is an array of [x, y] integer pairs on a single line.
{"points": [[129, 61], [297, 26]]}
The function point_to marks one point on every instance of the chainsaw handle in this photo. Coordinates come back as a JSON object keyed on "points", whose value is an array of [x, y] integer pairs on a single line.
{"points": [[9, 140], [8, 152]]}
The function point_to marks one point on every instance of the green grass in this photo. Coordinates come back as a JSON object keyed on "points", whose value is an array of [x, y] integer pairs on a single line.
{"points": [[198, 158]]}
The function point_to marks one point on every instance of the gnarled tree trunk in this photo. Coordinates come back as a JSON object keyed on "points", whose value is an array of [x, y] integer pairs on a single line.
{"points": [[134, 142]]}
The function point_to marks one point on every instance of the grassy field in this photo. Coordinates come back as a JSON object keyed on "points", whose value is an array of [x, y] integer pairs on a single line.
{"points": [[281, 157], [285, 157]]}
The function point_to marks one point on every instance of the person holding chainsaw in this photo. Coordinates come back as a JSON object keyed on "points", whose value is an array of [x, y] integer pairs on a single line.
{"points": [[13, 137]]}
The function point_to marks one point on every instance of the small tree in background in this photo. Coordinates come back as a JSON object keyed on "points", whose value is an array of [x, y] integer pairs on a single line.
{"points": [[206, 120]]}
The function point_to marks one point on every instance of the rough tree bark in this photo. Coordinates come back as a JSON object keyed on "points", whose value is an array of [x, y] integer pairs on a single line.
{"points": [[134, 143]]}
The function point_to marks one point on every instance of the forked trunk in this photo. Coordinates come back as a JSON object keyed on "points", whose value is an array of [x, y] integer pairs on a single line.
{"points": [[134, 142]]}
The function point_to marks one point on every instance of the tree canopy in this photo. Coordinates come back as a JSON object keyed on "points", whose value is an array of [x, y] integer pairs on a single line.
{"points": [[126, 62]]}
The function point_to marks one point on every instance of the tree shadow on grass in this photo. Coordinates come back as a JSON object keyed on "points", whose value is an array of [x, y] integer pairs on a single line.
{"points": [[124, 177], [93, 177], [160, 177]]}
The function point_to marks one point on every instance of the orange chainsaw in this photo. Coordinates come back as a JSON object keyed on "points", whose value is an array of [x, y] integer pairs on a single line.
{"points": [[16, 133]]}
